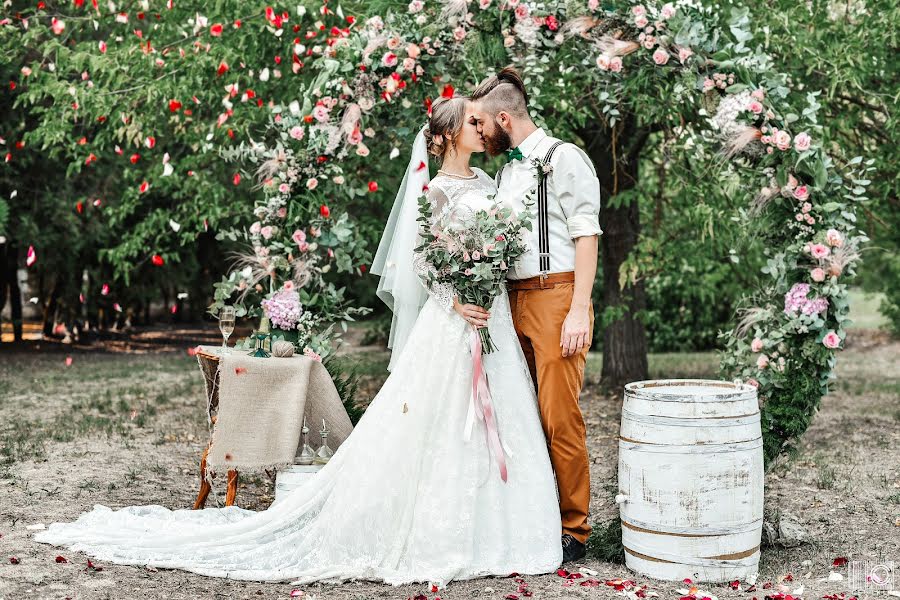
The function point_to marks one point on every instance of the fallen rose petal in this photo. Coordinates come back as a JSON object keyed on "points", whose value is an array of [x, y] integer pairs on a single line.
{"points": [[240, 370], [511, 597], [296, 593], [61, 559], [840, 561], [13, 560], [68, 361], [562, 572], [92, 566]]}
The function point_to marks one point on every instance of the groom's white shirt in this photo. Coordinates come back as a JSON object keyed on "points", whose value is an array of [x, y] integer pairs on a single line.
{"points": [[573, 201]]}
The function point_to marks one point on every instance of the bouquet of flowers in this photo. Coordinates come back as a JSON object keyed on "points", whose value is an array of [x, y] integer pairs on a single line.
{"points": [[473, 259]]}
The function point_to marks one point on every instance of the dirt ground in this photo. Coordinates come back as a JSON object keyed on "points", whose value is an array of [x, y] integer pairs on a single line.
{"points": [[123, 428]]}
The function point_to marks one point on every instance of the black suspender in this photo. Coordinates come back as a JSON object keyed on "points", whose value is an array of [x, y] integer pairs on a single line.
{"points": [[543, 225]]}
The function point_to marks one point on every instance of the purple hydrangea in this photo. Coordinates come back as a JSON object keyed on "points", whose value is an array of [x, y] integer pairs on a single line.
{"points": [[283, 308], [795, 300]]}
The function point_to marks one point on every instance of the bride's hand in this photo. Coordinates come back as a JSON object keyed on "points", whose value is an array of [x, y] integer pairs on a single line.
{"points": [[474, 315]]}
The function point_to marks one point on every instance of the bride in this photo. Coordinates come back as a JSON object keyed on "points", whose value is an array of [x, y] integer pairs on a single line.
{"points": [[414, 494]]}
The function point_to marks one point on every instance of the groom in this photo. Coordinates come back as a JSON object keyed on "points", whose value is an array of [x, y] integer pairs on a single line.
{"points": [[550, 286]]}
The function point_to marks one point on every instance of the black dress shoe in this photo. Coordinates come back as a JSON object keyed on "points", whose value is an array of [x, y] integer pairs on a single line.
{"points": [[572, 548]]}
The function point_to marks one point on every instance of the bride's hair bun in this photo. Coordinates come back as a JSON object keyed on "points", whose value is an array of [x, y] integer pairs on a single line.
{"points": [[447, 118]]}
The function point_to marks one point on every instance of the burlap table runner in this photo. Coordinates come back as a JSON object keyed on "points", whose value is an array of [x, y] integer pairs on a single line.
{"points": [[261, 406]]}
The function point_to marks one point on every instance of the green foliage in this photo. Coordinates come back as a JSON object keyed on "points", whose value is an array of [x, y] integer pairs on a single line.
{"points": [[605, 542], [346, 377]]}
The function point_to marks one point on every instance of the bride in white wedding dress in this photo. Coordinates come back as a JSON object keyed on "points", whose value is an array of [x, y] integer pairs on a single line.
{"points": [[409, 496]]}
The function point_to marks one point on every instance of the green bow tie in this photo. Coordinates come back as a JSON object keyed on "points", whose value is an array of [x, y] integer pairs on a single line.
{"points": [[514, 154]]}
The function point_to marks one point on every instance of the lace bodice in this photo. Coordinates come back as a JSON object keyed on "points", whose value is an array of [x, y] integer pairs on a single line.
{"points": [[454, 201]]}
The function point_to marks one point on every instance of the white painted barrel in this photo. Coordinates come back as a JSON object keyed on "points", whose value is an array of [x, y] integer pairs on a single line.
{"points": [[290, 478], [691, 479]]}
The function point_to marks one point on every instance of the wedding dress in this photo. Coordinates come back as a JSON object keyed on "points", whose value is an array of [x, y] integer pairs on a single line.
{"points": [[408, 497]]}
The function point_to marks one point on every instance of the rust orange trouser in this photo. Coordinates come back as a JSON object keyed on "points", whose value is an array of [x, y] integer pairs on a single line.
{"points": [[538, 315]]}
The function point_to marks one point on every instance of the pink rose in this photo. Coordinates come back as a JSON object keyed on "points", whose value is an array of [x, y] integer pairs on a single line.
{"points": [[476, 255], [298, 236], [393, 43], [708, 84], [413, 51], [355, 137], [615, 64], [667, 11], [389, 59], [756, 345], [509, 41], [755, 107], [799, 217], [806, 207], [483, 4], [641, 21], [818, 275], [753, 382], [416, 6], [320, 113], [459, 34], [362, 149], [819, 250], [684, 54], [522, 12], [284, 188], [297, 132], [254, 229], [467, 272], [281, 212], [603, 62], [660, 57], [649, 42], [802, 142], [593, 4], [266, 231], [782, 139], [303, 246], [638, 10], [288, 285], [759, 93], [801, 192], [312, 183], [409, 64], [810, 220], [762, 362], [834, 238], [832, 340]]}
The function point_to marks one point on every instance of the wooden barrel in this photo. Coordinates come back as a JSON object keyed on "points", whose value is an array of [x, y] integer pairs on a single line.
{"points": [[691, 479]]}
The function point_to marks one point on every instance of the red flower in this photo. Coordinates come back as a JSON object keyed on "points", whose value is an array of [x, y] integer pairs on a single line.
{"points": [[82, 141], [174, 105], [150, 141], [448, 91], [373, 186], [351, 19], [735, 584], [236, 179], [144, 187], [223, 68], [237, 23], [215, 30], [134, 158], [324, 211], [79, 206], [93, 567], [157, 260], [362, 269]]}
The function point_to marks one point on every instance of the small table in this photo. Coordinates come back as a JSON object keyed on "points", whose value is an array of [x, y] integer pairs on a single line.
{"points": [[208, 358]]}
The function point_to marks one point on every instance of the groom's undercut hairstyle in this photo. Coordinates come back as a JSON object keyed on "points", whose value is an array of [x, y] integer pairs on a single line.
{"points": [[505, 92]]}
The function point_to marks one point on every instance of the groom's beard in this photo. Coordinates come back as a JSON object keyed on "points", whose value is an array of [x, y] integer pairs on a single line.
{"points": [[498, 143]]}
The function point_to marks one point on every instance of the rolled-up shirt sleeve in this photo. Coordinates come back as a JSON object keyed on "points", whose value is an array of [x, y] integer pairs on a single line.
{"points": [[578, 191]]}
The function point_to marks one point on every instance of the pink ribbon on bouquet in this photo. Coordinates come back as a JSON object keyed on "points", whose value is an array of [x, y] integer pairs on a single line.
{"points": [[482, 405]]}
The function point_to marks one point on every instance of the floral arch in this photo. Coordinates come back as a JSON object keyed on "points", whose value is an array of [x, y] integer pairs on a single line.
{"points": [[368, 84]]}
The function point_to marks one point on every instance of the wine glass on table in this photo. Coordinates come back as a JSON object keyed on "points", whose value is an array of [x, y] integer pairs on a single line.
{"points": [[226, 325]]}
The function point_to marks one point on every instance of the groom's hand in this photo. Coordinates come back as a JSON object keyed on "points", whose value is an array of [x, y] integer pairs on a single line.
{"points": [[576, 331], [474, 315]]}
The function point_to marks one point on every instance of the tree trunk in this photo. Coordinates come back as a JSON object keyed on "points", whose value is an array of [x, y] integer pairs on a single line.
{"points": [[614, 152], [50, 310], [9, 282]]}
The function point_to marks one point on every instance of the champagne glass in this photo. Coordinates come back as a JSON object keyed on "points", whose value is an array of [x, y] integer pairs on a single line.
{"points": [[226, 325]]}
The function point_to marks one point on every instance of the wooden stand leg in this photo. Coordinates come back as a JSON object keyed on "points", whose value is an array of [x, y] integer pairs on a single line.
{"points": [[232, 488], [200, 502]]}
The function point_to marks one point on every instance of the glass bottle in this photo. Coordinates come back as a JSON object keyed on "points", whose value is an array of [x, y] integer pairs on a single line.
{"points": [[324, 453], [305, 455]]}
